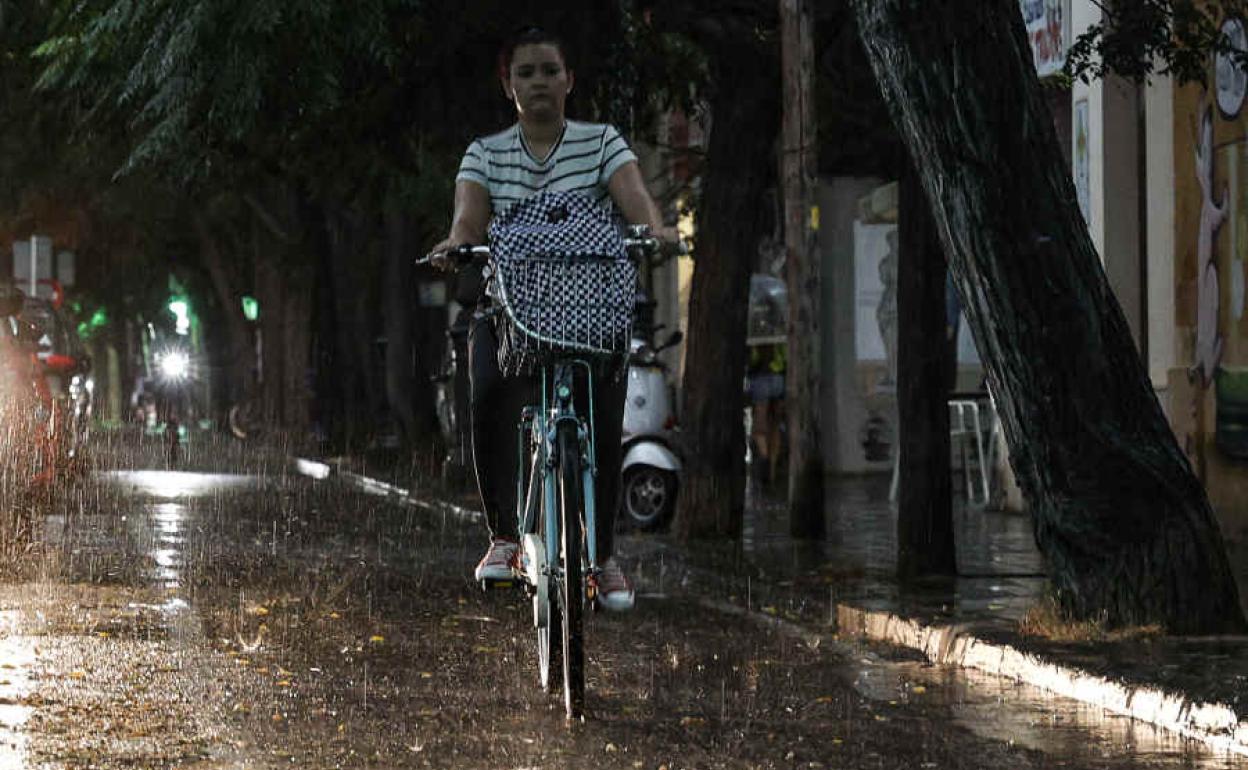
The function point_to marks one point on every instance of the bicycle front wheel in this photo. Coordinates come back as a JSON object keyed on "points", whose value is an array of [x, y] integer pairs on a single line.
{"points": [[572, 588]]}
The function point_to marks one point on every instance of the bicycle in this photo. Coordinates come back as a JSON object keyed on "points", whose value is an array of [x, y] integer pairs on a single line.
{"points": [[555, 487]]}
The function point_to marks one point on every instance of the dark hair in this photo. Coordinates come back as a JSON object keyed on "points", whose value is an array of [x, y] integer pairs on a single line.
{"points": [[529, 36]]}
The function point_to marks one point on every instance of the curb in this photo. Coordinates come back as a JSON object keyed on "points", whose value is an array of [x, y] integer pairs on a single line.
{"points": [[1215, 724], [322, 471]]}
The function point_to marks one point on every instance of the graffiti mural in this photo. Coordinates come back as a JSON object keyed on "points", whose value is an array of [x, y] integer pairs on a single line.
{"points": [[1212, 215], [1208, 390]]}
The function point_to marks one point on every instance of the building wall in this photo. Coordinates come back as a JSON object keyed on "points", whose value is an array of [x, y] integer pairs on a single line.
{"points": [[1108, 161], [1160, 213], [1207, 378], [851, 397]]}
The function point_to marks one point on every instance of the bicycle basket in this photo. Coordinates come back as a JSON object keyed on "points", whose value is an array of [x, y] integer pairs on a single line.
{"points": [[562, 280]]}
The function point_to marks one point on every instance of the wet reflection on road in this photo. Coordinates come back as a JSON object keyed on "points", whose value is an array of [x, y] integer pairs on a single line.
{"points": [[17, 655], [1018, 714]]}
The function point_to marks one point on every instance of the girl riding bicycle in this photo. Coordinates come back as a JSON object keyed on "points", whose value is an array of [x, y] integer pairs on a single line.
{"points": [[543, 151]]}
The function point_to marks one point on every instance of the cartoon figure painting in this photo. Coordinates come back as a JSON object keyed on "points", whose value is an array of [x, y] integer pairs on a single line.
{"points": [[1212, 215], [886, 311]]}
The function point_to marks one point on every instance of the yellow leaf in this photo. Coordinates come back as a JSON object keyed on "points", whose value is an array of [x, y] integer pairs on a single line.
{"points": [[426, 675], [918, 689], [283, 683], [825, 699], [102, 634], [342, 727], [334, 616], [262, 670], [837, 741], [242, 709], [376, 638], [483, 650], [80, 674], [692, 722]]}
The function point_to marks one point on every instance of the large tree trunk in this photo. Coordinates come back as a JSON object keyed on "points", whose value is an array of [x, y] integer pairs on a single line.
{"points": [[241, 355], [925, 543], [297, 349], [349, 268], [1125, 527], [797, 165], [397, 296], [740, 163], [271, 295]]}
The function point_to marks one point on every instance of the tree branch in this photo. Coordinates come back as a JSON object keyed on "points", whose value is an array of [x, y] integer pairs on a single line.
{"points": [[267, 219]]}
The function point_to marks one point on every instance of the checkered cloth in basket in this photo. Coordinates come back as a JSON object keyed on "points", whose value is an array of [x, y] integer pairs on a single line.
{"points": [[562, 279]]}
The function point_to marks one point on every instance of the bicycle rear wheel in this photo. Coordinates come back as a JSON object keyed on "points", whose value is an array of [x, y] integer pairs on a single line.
{"points": [[572, 587]]}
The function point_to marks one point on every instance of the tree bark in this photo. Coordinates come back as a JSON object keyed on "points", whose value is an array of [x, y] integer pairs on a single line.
{"points": [[740, 164], [270, 294], [349, 265], [397, 296], [925, 542], [802, 262], [241, 354], [414, 334], [1124, 526]]}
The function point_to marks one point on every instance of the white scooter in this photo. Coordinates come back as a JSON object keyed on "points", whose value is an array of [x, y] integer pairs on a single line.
{"points": [[651, 467]]}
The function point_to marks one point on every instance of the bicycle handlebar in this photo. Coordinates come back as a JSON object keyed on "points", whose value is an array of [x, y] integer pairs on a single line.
{"points": [[460, 256]]}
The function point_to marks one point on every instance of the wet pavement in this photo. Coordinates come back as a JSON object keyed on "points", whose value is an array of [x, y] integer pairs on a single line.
{"points": [[230, 614]]}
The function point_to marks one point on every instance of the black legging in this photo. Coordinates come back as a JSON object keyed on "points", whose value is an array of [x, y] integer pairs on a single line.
{"points": [[496, 405]]}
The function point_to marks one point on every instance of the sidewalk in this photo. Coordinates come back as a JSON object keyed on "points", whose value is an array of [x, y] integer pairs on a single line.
{"points": [[1195, 686]]}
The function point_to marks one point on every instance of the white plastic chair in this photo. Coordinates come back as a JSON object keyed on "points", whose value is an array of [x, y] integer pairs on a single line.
{"points": [[965, 423]]}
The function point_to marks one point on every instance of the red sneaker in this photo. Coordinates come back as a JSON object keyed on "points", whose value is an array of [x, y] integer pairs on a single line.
{"points": [[500, 562], [615, 592]]}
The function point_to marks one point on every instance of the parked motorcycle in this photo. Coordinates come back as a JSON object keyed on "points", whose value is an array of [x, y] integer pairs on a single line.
{"points": [[26, 404], [451, 394], [66, 380], [651, 466], [173, 397]]}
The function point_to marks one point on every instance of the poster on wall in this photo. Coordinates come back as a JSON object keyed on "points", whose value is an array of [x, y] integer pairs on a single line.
{"points": [[1082, 181], [874, 278], [1048, 30]]}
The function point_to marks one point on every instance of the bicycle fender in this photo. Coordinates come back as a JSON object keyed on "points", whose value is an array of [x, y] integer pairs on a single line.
{"points": [[651, 453]]}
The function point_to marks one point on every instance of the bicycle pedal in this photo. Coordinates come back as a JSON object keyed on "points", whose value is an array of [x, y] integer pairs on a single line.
{"points": [[498, 585]]}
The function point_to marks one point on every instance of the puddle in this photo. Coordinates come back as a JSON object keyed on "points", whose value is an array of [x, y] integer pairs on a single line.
{"points": [[173, 485]]}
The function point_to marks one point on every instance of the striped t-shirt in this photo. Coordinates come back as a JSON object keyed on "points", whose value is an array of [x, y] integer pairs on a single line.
{"points": [[583, 159]]}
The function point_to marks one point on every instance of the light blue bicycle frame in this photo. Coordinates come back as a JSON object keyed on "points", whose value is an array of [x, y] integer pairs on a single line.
{"points": [[558, 406]]}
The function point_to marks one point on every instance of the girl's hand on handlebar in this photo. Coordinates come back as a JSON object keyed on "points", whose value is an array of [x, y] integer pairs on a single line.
{"points": [[670, 240], [438, 256]]}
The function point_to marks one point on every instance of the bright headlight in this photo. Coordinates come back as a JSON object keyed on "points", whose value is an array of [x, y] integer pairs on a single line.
{"points": [[175, 365]]}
